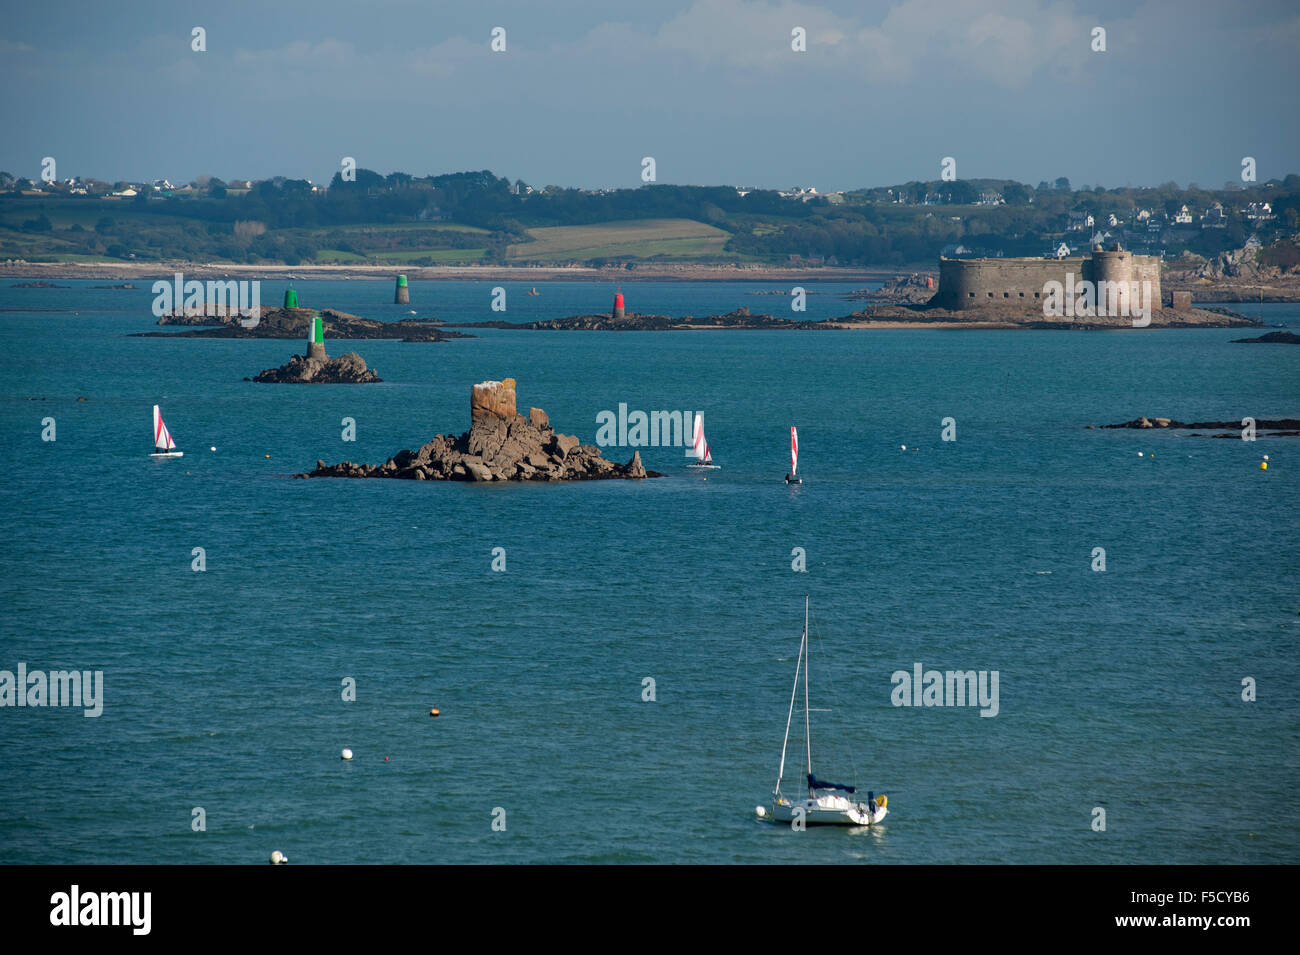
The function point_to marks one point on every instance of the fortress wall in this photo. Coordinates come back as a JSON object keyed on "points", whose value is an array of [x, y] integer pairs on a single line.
{"points": [[972, 283], [1146, 268]]}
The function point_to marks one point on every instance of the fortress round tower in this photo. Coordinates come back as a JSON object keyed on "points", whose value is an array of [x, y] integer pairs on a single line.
{"points": [[1115, 268]]}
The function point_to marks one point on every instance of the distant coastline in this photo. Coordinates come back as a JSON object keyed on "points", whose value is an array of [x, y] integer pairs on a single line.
{"points": [[1204, 291], [136, 271]]}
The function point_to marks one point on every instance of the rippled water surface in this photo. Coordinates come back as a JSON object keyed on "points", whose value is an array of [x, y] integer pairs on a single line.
{"points": [[223, 689]]}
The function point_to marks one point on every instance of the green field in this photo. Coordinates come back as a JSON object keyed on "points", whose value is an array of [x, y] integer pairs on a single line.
{"points": [[439, 226], [435, 256], [633, 239], [337, 257]]}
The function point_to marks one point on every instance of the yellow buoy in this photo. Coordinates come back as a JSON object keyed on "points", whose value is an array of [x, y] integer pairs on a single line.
{"points": [[1263, 465], [434, 711]]}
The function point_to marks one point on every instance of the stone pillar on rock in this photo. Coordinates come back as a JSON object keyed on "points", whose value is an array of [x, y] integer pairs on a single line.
{"points": [[493, 399]]}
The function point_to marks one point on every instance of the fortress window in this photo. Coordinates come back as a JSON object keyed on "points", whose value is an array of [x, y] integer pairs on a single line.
{"points": [[1006, 294], [990, 294], [1022, 294], [971, 294], [1035, 295]]}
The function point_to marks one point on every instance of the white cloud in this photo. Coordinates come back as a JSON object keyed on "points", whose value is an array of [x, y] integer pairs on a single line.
{"points": [[1009, 47]]}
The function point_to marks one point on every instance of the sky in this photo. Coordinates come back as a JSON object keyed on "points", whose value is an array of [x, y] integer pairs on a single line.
{"points": [[711, 89]]}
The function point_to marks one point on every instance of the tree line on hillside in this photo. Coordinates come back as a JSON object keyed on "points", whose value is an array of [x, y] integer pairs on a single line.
{"points": [[292, 221]]}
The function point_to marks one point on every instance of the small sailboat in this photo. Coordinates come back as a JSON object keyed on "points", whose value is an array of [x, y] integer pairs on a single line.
{"points": [[793, 476], [827, 804], [700, 449], [163, 445]]}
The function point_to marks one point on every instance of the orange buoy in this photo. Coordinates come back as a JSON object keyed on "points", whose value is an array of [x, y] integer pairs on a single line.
{"points": [[434, 712]]}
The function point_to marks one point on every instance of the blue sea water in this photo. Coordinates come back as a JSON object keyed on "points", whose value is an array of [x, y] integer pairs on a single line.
{"points": [[1119, 689]]}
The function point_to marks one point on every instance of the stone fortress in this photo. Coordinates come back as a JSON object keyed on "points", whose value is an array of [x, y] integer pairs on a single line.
{"points": [[980, 283]]}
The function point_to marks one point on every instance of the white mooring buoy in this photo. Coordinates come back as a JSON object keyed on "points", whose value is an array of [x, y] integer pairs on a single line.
{"points": [[347, 754]]}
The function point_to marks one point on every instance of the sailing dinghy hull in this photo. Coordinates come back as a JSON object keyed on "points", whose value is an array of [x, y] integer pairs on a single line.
{"points": [[168, 454]]}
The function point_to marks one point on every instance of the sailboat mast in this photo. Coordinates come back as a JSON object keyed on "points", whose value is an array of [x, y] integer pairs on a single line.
{"points": [[807, 730]]}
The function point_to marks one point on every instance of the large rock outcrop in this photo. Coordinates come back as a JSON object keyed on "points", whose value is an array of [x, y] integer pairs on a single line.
{"points": [[349, 369], [738, 319], [292, 323], [500, 445], [1272, 338], [1273, 428], [1172, 424], [1240, 263], [916, 289]]}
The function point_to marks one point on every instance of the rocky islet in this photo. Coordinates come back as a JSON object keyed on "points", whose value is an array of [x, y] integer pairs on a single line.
{"points": [[501, 445]]}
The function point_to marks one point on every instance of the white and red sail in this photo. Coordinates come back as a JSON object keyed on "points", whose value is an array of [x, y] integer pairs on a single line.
{"points": [[162, 438], [794, 452], [700, 446]]}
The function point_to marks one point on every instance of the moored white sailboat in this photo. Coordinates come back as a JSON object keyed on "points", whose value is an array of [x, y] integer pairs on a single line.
{"points": [[793, 476], [700, 448], [827, 804], [164, 446]]}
